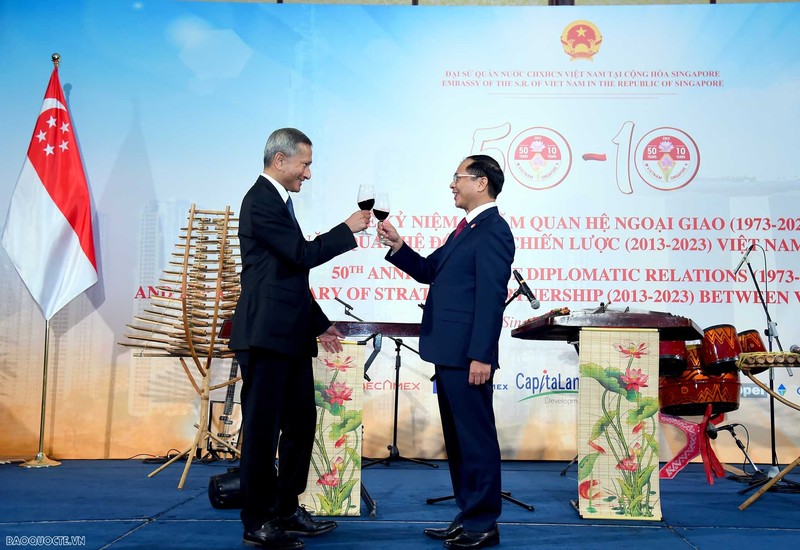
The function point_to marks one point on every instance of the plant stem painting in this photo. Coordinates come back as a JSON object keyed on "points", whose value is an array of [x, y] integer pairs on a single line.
{"points": [[618, 429], [334, 479]]}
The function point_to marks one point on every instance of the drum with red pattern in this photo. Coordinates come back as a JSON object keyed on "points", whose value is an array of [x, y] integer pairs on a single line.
{"points": [[690, 393], [720, 348], [671, 357], [751, 341]]}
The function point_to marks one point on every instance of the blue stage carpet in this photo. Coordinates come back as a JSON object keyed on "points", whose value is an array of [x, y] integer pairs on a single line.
{"points": [[113, 504]]}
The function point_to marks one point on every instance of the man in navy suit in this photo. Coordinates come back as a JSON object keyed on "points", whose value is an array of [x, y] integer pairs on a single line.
{"points": [[461, 324], [275, 330]]}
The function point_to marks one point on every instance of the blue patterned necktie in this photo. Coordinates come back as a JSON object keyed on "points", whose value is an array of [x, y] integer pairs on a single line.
{"points": [[291, 211]]}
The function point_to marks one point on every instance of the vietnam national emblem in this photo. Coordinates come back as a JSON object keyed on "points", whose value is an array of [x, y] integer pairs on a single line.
{"points": [[581, 40]]}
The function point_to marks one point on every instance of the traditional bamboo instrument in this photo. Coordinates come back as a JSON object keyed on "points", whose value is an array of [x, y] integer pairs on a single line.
{"points": [[186, 323]]}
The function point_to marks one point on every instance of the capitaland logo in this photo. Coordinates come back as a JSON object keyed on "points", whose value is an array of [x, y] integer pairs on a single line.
{"points": [[749, 391], [782, 390], [546, 384], [581, 40]]}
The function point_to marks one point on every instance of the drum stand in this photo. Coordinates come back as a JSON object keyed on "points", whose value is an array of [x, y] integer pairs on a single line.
{"points": [[758, 478]]}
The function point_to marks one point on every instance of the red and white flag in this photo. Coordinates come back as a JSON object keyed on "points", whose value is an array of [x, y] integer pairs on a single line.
{"points": [[48, 232]]}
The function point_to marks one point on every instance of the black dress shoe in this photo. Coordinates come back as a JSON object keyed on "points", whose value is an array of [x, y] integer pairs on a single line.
{"points": [[449, 532], [271, 536], [302, 524], [474, 539]]}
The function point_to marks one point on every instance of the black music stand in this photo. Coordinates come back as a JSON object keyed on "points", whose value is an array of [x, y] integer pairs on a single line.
{"points": [[758, 478], [393, 331]]}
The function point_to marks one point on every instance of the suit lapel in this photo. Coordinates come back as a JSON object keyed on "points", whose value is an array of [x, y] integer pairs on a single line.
{"points": [[270, 190], [453, 242]]}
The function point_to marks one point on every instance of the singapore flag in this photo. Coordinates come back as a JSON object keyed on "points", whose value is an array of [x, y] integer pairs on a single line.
{"points": [[48, 231]]}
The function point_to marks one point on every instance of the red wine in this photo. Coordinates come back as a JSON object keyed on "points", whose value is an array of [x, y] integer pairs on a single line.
{"points": [[380, 214], [366, 204]]}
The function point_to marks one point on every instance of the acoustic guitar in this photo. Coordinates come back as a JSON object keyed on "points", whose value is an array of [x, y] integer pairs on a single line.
{"points": [[225, 417]]}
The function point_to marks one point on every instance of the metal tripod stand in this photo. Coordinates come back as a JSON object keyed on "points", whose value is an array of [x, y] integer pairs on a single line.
{"points": [[394, 450], [759, 478], [378, 332]]}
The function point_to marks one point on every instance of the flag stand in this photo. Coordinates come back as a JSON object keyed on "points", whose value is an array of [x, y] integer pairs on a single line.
{"points": [[52, 202], [41, 460]]}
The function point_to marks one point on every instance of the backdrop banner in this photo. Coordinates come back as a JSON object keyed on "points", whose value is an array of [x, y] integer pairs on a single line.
{"points": [[645, 149]]}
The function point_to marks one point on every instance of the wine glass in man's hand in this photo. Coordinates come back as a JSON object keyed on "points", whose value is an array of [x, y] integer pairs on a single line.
{"points": [[366, 200], [381, 208]]}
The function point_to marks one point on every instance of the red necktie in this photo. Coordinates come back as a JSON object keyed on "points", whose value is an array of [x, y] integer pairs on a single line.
{"points": [[461, 225]]}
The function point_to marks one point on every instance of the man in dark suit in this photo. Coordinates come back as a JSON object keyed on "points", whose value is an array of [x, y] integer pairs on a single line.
{"points": [[461, 324], [275, 330]]}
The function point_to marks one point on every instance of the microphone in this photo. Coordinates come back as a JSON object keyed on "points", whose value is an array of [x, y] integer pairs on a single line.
{"points": [[525, 290], [794, 349], [744, 258], [712, 430]]}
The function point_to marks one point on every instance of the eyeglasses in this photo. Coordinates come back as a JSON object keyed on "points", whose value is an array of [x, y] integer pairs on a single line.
{"points": [[457, 175]]}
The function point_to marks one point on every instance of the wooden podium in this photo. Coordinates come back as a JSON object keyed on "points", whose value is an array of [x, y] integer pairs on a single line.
{"points": [[618, 476], [396, 330], [567, 326]]}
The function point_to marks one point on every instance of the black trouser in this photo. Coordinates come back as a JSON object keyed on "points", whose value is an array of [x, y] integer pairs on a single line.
{"points": [[278, 416], [473, 452]]}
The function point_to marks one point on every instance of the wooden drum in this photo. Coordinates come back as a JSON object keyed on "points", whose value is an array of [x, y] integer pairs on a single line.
{"points": [[720, 349], [671, 357], [690, 393], [751, 341]]}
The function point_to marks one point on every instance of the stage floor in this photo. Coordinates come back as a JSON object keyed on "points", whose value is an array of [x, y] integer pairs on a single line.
{"points": [[113, 504]]}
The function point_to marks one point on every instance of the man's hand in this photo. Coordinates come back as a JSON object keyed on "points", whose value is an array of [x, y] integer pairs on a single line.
{"points": [[330, 340], [479, 373], [358, 221], [389, 236]]}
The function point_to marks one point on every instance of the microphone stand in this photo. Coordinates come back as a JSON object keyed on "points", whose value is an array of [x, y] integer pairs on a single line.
{"points": [[712, 432], [376, 345], [394, 451], [755, 480], [513, 296]]}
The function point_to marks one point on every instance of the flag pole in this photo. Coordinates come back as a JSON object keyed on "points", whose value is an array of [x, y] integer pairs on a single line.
{"points": [[41, 460]]}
